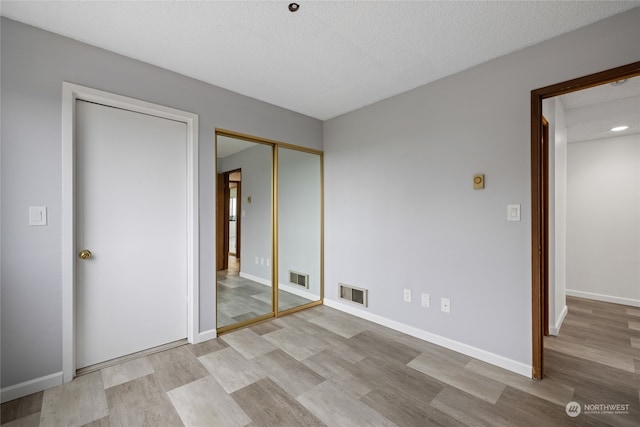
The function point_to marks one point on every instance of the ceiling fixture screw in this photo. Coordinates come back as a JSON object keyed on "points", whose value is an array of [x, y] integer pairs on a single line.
{"points": [[293, 7]]}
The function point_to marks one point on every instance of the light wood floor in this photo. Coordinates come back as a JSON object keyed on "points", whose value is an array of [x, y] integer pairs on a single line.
{"points": [[323, 367]]}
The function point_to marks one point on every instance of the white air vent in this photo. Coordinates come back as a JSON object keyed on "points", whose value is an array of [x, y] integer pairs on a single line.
{"points": [[299, 279], [353, 294]]}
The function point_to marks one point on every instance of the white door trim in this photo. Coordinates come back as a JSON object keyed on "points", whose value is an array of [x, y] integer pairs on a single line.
{"points": [[71, 92]]}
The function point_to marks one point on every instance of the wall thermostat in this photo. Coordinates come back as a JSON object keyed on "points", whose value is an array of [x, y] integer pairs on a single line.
{"points": [[478, 181]]}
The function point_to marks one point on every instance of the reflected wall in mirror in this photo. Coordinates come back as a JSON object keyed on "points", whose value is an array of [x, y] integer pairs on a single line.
{"points": [[244, 230], [299, 228]]}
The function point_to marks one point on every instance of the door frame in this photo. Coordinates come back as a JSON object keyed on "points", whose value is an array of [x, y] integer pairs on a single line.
{"points": [[544, 141], [70, 93], [223, 180], [238, 213], [540, 202], [222, 218]]}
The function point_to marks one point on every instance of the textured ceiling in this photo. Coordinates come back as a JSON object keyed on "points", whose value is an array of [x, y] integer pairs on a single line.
{"points": [[324, 60]]}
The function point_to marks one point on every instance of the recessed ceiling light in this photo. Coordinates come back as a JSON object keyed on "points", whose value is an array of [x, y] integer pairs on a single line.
{"points": [[619, 128]]}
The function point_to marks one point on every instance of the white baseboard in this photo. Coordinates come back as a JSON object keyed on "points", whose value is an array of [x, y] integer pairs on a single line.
{"points": [[257, 279], [604, 298], [207, 335], [555, 330], [299, 291], [485, 356], [29, 387]]}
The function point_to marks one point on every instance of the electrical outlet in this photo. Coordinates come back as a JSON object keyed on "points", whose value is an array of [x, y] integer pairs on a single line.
{"points": [[426, 301], [445, 305], [407, 295], [261, 261], [257, 261]]}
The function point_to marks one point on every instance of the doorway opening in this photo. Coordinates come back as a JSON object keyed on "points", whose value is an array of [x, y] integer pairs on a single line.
{"points": [[540, 200], [229, 220], [235, 219]]}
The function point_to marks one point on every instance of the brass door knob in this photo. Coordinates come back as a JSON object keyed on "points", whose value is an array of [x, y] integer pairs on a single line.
{"points": [[85, 254]]}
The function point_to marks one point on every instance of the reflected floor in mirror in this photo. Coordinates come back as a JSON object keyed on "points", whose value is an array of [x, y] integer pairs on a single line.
{"points": [[242, 299]]}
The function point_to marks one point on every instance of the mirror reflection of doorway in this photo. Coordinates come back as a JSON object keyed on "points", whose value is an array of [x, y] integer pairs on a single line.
{"points": [[234, 223]]}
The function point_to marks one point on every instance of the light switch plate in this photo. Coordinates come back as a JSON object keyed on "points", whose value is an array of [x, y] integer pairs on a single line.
{"points": [[426, 301], [37, 215], [513, 212]]}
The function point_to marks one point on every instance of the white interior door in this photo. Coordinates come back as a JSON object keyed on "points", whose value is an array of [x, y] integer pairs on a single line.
{"points": [[131, 213]]}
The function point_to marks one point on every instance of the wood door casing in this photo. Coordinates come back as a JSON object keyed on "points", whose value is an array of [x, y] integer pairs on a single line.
{"points": [[222, 221], [544, 141]]}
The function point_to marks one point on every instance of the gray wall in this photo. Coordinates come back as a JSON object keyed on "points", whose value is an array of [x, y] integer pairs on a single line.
{"points": [[553, 111], [255, 232], [603, 221], [34, 65], [399, 200]]}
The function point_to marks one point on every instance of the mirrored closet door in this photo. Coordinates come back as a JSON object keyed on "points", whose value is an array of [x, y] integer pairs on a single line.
{"points": [[269, 229], [299, 178], [244, 236]]}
